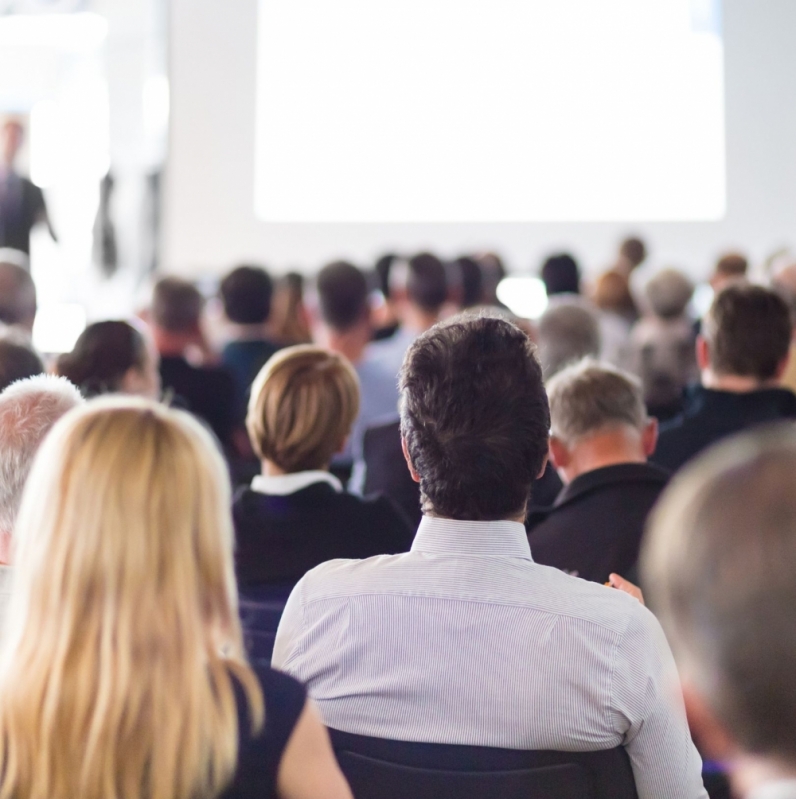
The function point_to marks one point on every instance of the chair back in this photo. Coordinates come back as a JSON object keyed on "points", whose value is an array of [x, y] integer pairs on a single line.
{"points": [[260, 610]]}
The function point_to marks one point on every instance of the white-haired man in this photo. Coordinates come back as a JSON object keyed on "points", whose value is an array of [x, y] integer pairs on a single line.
{"points": [[28, 409]]}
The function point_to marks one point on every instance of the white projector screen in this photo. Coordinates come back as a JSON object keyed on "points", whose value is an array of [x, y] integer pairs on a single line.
{"points": [[498, 111]]}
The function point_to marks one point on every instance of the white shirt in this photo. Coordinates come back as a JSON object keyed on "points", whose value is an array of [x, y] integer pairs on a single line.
{"points": [[466, 640], [778, 789], [280, 485]]}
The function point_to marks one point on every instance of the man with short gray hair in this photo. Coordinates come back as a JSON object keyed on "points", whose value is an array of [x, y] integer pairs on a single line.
{"points": [[28, 409], [601, 439]]}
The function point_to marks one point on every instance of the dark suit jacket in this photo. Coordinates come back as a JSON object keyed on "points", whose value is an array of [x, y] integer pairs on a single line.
{"points": [[20, 209], [595, 526], [712, 415], [280, 538]]}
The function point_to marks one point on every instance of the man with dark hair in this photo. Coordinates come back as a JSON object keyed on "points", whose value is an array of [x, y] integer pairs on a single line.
{"points": [[468, 279], [17, 297], [343, 325], [561, 275], [742, 354], [465, 639], [18, 359], [632, 253], [208, 391], [246, 297], [730, 268]]}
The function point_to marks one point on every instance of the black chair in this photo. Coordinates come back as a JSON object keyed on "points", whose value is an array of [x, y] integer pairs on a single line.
{"points": [[382, 769], [260, 610]]}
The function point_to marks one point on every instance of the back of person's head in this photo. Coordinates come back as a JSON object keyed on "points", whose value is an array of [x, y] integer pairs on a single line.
{"points": [[668, 293], [103, 358], [382, 269], [124, 631], [633, 251], [748, 331], [342, 296], [18, 359], [568, 331], [470, 279], [426, 282], [246, 295], [17, 296], [177, 305], [289, 318], [732, 266], [591, 397], [718, 567], [303, 404], [474, 417], [28, 409], [612, 293], [561, 275]]}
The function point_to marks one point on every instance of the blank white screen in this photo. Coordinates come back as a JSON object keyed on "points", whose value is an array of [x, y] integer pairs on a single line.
{"points": [[489, 110]]}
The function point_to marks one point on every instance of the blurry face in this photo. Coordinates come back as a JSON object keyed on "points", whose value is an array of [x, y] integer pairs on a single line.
{"points": [[11, 142]]}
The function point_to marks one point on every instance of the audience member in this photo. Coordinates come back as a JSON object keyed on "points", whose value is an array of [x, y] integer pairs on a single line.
{"points": [[17, 297], [418, 291], [568, 331], [28, 409], [124, 651], [616, 313], [208, 391], [601, 439], [469, 281], [18, 359], [730, 268], [662, 343], [385, 319], [561, 275], [493, 272], [742, 354], [290, 323], [465, 639], [112, 357], [296, 515], [344, 326], [632, 254], [246, 298], [784, 283], [718, 566]]}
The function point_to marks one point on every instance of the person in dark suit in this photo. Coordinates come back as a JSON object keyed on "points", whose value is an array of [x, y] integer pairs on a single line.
{"points": [[208, 391], [22, 203], [296, 515], [601, 439], [742, 354]]}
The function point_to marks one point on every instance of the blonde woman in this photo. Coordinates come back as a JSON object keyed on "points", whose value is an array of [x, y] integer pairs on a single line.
{"points": [[122, 674]]}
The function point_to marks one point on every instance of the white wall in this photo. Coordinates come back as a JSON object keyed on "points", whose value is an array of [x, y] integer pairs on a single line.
{"points": [[210, 222]]}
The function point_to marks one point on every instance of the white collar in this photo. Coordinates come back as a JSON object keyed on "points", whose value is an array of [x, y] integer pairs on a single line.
{"points": [[282, 484], [776, 789]]}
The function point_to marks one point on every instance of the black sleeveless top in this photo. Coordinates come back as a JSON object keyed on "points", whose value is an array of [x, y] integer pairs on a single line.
{"points": [[259, 756]]}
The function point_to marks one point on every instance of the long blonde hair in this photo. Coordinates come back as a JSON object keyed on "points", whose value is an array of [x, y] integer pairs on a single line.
{"points": [[123, 640]]}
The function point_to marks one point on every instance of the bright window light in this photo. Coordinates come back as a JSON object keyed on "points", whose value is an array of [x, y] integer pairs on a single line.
{"points": [[58, 326], [77, 32], [525, 297], [156, 104]]}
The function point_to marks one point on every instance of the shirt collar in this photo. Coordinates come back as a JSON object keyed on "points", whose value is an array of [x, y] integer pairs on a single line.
{"points": [[778, 789], [282, 484], [454, 537]]}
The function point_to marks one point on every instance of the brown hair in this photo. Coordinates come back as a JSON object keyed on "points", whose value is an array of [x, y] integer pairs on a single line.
{"points": [[176, 305], [732, 264], [302, 406]]}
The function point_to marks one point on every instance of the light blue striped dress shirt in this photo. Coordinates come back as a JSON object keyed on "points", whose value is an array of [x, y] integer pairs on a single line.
{"points": [[466, 640]]}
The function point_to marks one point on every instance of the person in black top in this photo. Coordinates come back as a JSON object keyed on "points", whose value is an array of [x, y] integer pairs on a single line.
{"points": [[295, 515], [742, 354], [601, 438]]}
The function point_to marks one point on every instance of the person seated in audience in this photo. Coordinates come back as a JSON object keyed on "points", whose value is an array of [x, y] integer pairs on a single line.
{"points": [[418, 292], [289, 320], [784, 283], [465, 639], [493, 272], [567, 332], [17, 297], [343, 325], [112, 357], [616, 312], [186, 368], [123, 652], [246, 297], [18, 359], [718, 567], [385, 318], [662, 343], [600, 440], [28, 409], [561, 275], [730, 268], [467, 282], [632, 254], [296, 514], [742, 354]]}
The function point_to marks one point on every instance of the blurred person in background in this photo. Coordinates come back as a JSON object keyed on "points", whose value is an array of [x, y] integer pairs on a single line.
{"points": [[112, 358], [17, 297], [616, 313], [493, 271], [296, 514], [730, 268], [601, 437], [467, 282], [662, 343], [289, 320], [123, 550], [632, 254], [18, 358], [28, 409], [186, 362], [385, 319], [742, 354], [22, 203], [567, 332], [784, 283], [561, 275]]}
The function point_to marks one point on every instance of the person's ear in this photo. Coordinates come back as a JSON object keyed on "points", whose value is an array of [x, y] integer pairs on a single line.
{"points": [[649, 437], [710, 735], [702, 353], [544, 465], [405, 449], [559, 453]]}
